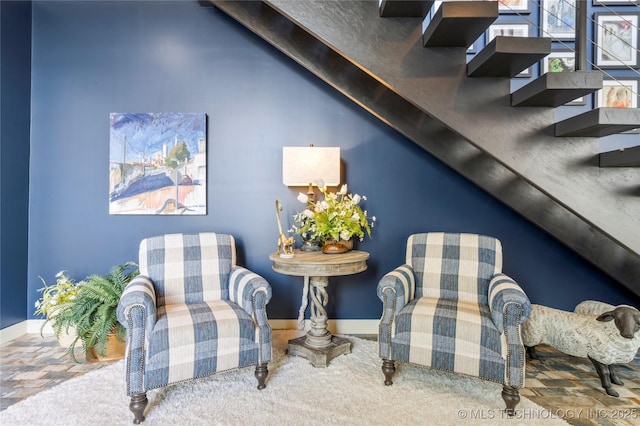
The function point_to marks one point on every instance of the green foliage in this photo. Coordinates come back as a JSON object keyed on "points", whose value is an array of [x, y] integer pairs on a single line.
{"points": [[93, 311]]}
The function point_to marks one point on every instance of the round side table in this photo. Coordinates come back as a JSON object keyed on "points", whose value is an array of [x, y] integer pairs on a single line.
{"points": [[319, 346]]}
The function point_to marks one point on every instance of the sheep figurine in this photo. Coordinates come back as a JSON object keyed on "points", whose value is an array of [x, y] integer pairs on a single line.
{"points": [[610, 338], [592, 307]]}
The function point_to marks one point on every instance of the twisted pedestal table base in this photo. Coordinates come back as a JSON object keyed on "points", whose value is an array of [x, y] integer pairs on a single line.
{"points": [[319, 346]]}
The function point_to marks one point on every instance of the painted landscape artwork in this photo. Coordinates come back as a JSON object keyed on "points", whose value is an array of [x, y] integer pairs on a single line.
{"points": [[158, 164]]}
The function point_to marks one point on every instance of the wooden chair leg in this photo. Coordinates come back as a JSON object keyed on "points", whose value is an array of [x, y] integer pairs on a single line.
{"points": [[137, 405], [261, 374], [511, 398], [389, 369]]}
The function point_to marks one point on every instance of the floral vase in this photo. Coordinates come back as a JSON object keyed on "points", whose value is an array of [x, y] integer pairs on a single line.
{"points": [[310, 244], [331, 246]]}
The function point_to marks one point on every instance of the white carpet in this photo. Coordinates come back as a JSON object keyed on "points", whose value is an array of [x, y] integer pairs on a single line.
{"points": [[348, 392]]}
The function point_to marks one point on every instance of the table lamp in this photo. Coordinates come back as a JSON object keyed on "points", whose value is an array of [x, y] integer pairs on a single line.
{"points": [[303, 166]]}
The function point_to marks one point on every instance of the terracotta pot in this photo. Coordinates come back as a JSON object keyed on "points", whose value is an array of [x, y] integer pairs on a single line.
{"points": [[332, 246], [115, 350]]}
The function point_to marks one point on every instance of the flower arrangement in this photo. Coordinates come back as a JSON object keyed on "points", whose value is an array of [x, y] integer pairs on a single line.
{"points": [[338, 216], [56, 296]]}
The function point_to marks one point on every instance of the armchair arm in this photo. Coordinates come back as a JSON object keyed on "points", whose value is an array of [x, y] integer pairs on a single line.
{"points": [[137, 306], [401, 283], [508, 303], [137, 313], [250, 291], [395, 289], [510, 307]]}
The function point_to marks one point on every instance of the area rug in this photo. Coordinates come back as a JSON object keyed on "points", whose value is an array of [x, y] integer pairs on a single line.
{"points": [[350, 391]]}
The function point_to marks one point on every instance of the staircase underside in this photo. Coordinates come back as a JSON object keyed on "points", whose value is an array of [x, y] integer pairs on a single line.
{"points": [[468, 123]]}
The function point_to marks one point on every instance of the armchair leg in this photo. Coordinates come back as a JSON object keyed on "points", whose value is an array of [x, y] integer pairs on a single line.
{"points": [[389, 369], [511, 398], [261, 374], [137, 405]]}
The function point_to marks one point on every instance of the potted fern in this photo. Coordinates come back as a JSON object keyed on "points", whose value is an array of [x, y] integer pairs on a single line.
{"points": [[93, 313]]}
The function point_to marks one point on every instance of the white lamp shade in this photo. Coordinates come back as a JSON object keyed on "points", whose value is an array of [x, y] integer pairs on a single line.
{"points": [[302, 166]]}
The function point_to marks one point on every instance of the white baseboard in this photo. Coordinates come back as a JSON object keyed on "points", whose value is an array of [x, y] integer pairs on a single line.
{"points": [[13, 331], [360, 326]]}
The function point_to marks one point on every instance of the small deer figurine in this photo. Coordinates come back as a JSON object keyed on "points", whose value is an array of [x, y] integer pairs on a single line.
{"points": [[284, 243]]}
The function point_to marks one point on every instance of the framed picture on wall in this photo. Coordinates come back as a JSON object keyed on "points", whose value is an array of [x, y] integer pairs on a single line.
{"points": [[507, 30], [157, 164], [557, 19], [559, 61], [622, 93], [562, 61], [513, 6], [616, 40], [616, 2]]}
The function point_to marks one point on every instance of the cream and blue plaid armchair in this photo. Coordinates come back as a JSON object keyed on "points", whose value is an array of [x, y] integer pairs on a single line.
{"points": [[451, 308], [192, 312]]}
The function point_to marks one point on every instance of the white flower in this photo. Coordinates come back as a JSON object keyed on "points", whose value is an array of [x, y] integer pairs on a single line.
{"points": [[303, 198], [60, 274], [373, 218], [355, 216], [364, 197], [320, 184], [356, 199], [308, 213], [345, 235], [343, 189], [322, 206]]}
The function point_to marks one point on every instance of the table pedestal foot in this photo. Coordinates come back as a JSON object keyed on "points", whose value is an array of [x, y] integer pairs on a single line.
{"points": [[319, 356]]}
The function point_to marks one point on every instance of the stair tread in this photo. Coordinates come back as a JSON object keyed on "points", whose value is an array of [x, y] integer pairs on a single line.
{"points": [[557, 88], [627, 157], [459, 24], [402, 8], [600, 122], [508, 56]]}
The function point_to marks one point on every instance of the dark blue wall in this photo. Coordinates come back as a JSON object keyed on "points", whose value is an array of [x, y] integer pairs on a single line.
{"points": [[94, 58], [15, 71]]}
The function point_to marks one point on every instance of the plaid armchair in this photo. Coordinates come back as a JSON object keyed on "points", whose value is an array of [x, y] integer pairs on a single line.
{"points": [[450, 308], [192, 312]]}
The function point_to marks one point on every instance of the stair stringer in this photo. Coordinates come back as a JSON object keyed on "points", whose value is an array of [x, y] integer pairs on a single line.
{"points": [[386, 92]]}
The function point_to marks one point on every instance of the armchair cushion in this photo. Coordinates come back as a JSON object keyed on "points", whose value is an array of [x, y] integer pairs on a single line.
{"points": [[196, 339], [452, 336], [454, 266], [188, 267]]}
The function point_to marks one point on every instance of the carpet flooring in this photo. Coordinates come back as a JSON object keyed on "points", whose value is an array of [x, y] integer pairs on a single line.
{"points": [[566, 387]]}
